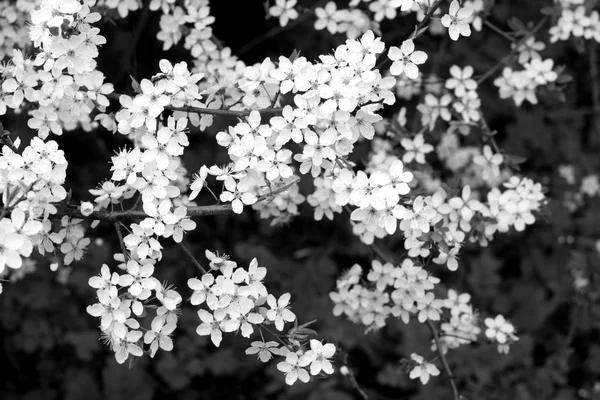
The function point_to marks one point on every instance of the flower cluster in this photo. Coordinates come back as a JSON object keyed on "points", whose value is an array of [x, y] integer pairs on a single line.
{"points": [[30, 181], [521, 85], [500, 331], [13, 26], [334, 103], [462, 327], [399, 291], [118, 311], [62, 79], [576, 21], [296, 117], [237, 300], [351, 21], [407, 289]]}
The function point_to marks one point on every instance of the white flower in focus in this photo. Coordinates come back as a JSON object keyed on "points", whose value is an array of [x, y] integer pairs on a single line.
{"points": [[211, 325], [159, 336], [423, 370], [265, 350], [279, 312], [86, 208], [320, 353], [405, 59], [457, 20], [293, 367]]}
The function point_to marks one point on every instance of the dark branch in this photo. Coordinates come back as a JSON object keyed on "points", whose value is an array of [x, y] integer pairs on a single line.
{"points": [[137, 215]]}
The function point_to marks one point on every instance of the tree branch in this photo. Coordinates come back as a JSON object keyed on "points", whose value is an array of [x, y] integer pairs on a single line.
{"points": [[136, 215], [429, 14], [212, 111], [221, 112], [436, 338]]}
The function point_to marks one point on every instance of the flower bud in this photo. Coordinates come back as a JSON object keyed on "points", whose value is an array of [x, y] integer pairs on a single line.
{"points": [[86, 208]]}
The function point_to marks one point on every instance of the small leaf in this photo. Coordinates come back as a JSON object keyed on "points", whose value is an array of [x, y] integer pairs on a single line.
{"points": [[551, 10], [294, 56], [516, 25], [563, 79], [513, 159], [418, 32], [135, 85]]}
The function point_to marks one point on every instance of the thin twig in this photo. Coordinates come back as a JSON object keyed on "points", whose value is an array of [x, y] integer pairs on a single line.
{"points": [[574, 320], [136, 215], [221, 112], [212, 111], [355, 384], [276, 336], [429, 14], [191, 257], [438, 346], [595, 77], [121, 241], [499, 31], [435, 334], [514, 51], [278, 29]]}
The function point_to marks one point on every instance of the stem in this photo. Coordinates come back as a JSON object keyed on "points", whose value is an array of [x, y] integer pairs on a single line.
{"points": [[276, 336], [230, 113], [137, 215], [429, 14], [191, 257], [277, 30], [499, 31], [355, 385], [514, 51], [121, 241], [436, 338], [212, 111], [593, 60]]}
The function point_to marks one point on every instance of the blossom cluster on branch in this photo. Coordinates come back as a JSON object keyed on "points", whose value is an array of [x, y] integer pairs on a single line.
{"points": [[296, 119]]}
